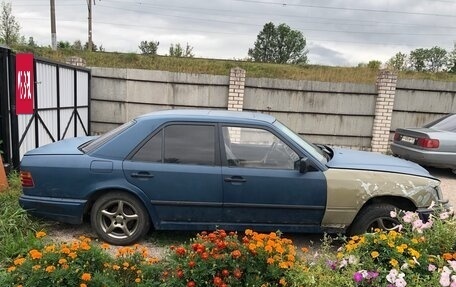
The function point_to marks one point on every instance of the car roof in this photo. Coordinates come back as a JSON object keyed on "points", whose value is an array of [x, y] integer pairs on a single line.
{"points": [[216, 115]]}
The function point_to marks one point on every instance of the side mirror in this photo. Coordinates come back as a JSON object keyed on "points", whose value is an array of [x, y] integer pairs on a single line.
{"points": [[303, 165]]}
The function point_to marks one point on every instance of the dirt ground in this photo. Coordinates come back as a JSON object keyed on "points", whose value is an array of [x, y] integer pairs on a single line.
{"points": [[67, 232]]}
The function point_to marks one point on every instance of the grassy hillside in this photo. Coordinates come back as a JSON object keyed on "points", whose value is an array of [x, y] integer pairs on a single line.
{"points": [[222, 67]]}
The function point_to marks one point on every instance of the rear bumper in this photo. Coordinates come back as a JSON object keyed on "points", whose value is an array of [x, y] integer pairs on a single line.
{"points": [[425, 157], [59, 209]]}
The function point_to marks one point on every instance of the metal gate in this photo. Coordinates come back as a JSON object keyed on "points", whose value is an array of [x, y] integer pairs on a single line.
{"points": [[61, 106]]}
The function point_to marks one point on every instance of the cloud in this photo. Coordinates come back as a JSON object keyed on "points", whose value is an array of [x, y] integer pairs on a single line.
{"points": [[338, 32]]}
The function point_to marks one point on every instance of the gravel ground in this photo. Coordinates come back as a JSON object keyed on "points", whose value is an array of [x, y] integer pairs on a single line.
{"points": [[67, 232]]}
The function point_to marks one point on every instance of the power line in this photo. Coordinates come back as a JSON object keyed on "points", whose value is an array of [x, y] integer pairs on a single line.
{"points": [[346, 8]]}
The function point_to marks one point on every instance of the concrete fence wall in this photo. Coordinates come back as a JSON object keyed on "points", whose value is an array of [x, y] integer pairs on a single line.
{"points": [[359, 116]]}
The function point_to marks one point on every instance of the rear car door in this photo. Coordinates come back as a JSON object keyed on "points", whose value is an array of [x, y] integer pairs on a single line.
{"points": [[262, 183], [178, 167]]}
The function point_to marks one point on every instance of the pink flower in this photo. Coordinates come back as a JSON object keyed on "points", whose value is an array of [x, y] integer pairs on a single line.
{"points": [[432, 268], [393, 214], [358, 277]]}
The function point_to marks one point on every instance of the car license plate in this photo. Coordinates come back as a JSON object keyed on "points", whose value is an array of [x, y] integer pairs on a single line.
{"points": [[408, 139]]}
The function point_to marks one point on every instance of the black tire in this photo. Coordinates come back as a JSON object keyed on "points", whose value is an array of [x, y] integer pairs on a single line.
{"points": [[119, 218], [371, 217]]}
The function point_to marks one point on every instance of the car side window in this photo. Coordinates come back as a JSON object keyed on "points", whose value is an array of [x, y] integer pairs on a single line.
{"points": [[151, 151], [181, 144], [257, 148], [189, 144]]}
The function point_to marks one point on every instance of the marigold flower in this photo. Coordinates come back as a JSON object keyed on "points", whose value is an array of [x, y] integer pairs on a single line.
{"points": [[138, 280], [374, 254], [62, 261], [50, 248], [65, 250], [283, 282], [11, 269], [305, 249], [40, 234], [35, 254], [85, 246], [36, 267], [105, 246], [248, 232], [72, 255], [236, 254], [115, 267], [19, 261], [393, 262], [270, 260], [86, 277], [82, 285], [50, 269]]}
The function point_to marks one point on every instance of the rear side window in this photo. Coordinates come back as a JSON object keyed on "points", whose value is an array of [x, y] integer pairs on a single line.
{"points": [[180, 144], [88, 147], [447, 123]]}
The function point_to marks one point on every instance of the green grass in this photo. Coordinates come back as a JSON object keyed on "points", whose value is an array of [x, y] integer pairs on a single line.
{"points": [[222, 67], [17, 229]]}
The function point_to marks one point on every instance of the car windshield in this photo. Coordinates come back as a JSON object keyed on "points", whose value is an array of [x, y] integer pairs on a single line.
{"points": [[309, 147], [447, 123], [92, 145]]}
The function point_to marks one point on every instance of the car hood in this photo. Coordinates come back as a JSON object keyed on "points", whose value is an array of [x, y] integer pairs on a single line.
{"points": [[361, 160], [67, 146]]}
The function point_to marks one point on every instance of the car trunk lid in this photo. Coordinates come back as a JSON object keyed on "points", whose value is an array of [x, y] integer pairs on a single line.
{"points": [[67, 147], [419, 138]]}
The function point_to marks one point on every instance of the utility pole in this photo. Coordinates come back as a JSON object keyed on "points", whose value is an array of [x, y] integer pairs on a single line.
{"points": [[53, 30], [90, 43]]}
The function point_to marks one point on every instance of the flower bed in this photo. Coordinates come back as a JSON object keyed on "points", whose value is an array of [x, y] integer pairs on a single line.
{"points": [[416, 253]]}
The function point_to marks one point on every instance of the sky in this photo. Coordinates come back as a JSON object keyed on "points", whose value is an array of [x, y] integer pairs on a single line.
{"points": [[338, 32]]}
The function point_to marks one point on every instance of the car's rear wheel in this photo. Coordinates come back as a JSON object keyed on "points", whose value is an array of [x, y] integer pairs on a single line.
{"points": [[119, 218], [372, 217]]}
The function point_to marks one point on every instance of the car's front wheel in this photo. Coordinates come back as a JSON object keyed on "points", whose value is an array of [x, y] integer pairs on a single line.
{"points": [[119, 218], [372, 217]]}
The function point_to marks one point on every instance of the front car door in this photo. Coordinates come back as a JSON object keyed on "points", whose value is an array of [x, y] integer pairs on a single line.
{"points": [[178, 167], [262, 185]]}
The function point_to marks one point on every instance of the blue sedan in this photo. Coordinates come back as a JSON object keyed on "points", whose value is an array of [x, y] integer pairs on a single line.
{"points": [[203, 169]]}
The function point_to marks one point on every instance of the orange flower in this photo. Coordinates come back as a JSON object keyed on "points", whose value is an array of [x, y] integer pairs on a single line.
{"points": [[50, 269], [86, 277], [115, 267], [105, 246], [36, 267], [305, 249], [248, 232], [65, 250], [35, 254], [50, 248], [11, 269], [85, 246], [138, 280], [73, 255], [19, 261], [40, 234], [270, 260], [236, 254], [82, 285], [447, 256], [62, 261]]}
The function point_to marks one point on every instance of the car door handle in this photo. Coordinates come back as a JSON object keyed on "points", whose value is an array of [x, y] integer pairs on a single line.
{"points": [[235, 179], [142, 174]]}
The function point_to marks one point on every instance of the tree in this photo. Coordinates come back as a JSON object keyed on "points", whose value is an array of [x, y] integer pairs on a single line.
{"points": [[374, 64], [177, 51], [9, 27], [451, 64], [437, 59], [279, 44], [148, 48], [63, 45], [418, 59], [31, 43], [77, 45], [94, 47], [398, 62]]}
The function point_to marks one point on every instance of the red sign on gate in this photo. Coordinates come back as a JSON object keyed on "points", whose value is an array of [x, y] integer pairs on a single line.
{"points": [[25, 80]]}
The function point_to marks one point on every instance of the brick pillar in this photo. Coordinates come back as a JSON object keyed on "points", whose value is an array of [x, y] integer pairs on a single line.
{"points": [[236, 89], [386, 89]]}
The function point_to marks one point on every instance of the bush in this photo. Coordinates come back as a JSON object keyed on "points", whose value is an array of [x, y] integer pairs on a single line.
{"points": [[221, 259]]}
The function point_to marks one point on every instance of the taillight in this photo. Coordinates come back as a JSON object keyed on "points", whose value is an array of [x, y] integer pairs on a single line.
{"points": [[428, 143], [397, 137], [27, 179]]}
